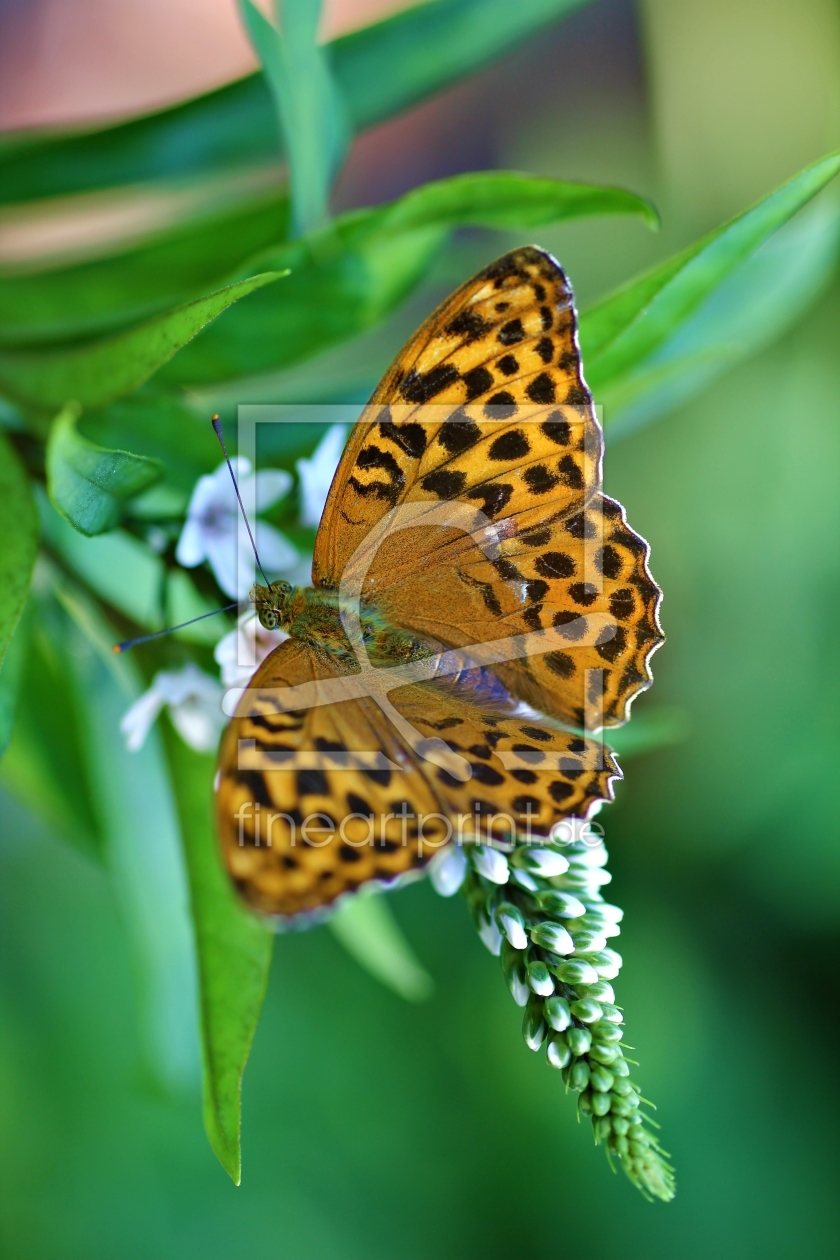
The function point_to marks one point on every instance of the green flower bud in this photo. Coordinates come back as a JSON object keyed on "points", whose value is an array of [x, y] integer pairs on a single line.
{"points": [[540, 979], [560, 905], [606, 1032], [557, 1013], [579, 1040], [600, 991], [557, 1052], [603, 1128], [619, 1066], [586, 1010], [604, 1053], [511, 921], [578, 1075], [552, 936], [533, 1024], [612, 1013], [600, 1104], [620, 1125], [585, 1103], [622, 1087], [601, 1080], [575, 971], [588, 942]]}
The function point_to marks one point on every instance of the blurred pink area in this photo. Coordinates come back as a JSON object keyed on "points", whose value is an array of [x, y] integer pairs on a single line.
{"points": [[70, 60]]}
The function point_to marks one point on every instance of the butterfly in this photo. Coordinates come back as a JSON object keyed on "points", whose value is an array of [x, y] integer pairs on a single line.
{"points": [[478, 607]]}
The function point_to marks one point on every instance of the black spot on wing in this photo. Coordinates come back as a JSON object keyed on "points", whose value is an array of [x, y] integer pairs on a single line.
{"points": [[501, 406], [444, 483], [542, 389], [511, 333], [469, 325], [421, 387], [556, 429], [540, 480], [312, 783], [508, 446], [410, 437], [494, 497], [456, 435], [478, 380]]}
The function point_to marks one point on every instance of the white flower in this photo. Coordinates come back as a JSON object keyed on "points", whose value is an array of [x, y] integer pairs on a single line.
{"points": [[213, 530], [448, 870], [194, 700], [316, 474], [240, 652]]}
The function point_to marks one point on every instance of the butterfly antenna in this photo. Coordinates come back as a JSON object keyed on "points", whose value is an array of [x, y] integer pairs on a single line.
{"points": [[217, 429], [145, 638]]}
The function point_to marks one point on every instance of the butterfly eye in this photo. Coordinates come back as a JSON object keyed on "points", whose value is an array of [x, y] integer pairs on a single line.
{"points": [[268, 618]]}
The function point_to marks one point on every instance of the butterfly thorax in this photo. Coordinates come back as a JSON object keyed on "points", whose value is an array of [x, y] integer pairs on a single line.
{"points": [[314, 615]]}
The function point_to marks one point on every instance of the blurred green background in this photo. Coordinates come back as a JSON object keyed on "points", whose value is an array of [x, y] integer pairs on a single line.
{"points": [[373, 1127]]}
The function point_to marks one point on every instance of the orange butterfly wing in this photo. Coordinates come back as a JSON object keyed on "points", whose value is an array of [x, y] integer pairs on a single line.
{"points": [[487, 408], [299, 826]]}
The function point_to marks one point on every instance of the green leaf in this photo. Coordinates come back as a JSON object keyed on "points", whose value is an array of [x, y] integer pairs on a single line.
{"points": [[234, 953], [45, 764], [96, 372], [379, 71], [366, 927], [88, 483], [19, 532], [157, 426], [756, 305], [309, 110], [11, 677], [69, 301], [349, 276], [132, 798], [625, 329]]}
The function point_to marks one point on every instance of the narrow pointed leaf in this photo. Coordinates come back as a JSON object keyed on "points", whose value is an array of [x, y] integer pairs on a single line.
{"points": [[233, 948], [19, 532], [132, 798], [87, 482], [623, 330], [309, 110], [96, 372]]}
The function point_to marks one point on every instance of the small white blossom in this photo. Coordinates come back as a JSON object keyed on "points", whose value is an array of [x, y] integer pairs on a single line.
{"points": [[491, 864], [194, 700], [240, 652], [448, 870], [317, 472], [213, 532]]}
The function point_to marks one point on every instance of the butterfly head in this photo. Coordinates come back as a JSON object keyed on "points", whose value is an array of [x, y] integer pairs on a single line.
{"points": [[271, 603]]}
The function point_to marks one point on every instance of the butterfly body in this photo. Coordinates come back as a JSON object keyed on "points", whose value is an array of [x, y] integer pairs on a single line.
{"points": [[469, 576], [314, 615]]}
